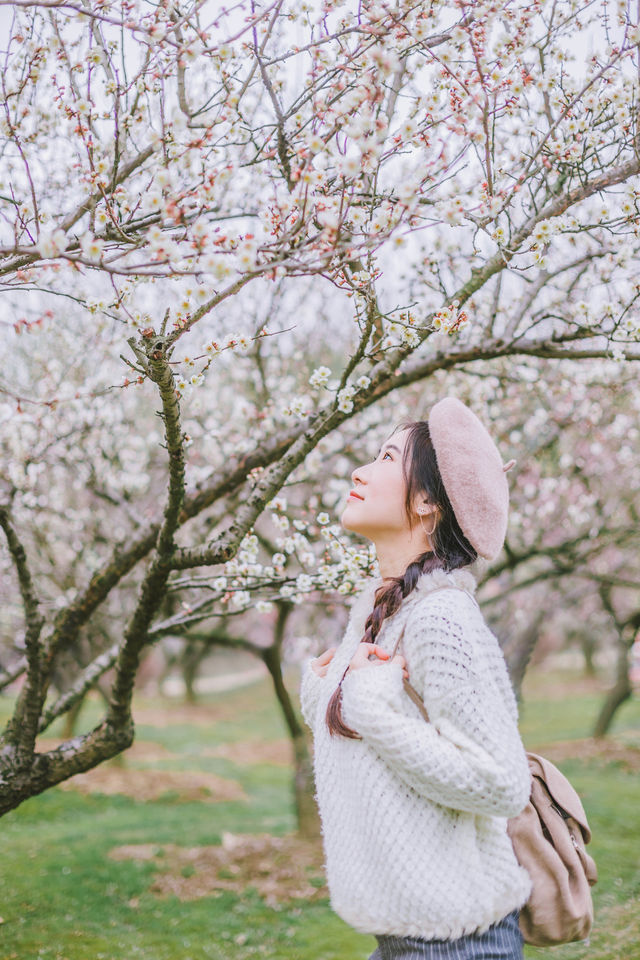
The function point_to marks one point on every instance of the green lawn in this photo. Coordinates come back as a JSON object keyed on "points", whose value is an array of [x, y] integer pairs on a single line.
{"points": [[63, 898]]}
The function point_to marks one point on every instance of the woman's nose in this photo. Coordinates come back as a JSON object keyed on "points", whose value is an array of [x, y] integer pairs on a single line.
{"points": [[356, 476]]}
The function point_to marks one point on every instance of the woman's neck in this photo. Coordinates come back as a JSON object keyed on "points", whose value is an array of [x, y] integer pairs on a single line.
{"points": [[395, 557]]}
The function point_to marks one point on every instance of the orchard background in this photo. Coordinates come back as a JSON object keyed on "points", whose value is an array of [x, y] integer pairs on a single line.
{"points": [[237, 246]]}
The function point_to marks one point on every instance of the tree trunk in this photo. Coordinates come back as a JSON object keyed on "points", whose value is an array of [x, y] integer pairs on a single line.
{"points": [[620, 692], [518, 651], [192, 658], [304, 790], [307, 816], [72, 715], [588, 646], [70, 719]]}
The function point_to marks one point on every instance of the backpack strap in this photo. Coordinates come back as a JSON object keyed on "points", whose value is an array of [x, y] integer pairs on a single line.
{"points": [[411, 691]]}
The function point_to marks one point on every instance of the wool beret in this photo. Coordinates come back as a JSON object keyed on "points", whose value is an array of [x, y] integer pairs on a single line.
{"points": [[473, 474]]}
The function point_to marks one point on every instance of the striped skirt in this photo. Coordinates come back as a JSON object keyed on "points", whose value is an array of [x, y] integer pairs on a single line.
{"points": [[502, 941]]}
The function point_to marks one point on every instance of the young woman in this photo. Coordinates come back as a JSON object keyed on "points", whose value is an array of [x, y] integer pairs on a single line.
{"points": [[414, 813]]}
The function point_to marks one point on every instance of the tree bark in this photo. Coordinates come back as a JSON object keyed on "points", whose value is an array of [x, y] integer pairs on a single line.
{"points": [[307, 816], [192, 659], [518, 651], [588, 647], [620, 692]]}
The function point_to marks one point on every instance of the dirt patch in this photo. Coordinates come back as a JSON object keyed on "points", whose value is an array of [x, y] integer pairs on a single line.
{"points": [[602, 751], [622, 924], [243, 752], [281, 869], [188, 785], [541, 685], [243, 701], [181, 714], [275, 752]]}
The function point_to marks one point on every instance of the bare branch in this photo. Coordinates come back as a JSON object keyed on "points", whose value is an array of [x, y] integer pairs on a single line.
{"points": [[154, 582], [81, 686], [11, 675]]}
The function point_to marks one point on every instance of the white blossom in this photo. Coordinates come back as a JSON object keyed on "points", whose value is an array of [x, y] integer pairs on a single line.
{"points": [[51, 244], [319, 377], [240, 598], [304, 583], [91, 247]]}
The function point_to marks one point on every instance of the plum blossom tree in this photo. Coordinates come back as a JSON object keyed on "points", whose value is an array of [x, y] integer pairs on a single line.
{"points": [[213, 196], [573, 555]]}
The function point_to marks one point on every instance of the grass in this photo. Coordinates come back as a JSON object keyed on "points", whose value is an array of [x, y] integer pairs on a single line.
{"points": [[63, 898]]}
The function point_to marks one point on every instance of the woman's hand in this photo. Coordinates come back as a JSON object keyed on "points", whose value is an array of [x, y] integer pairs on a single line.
{"points": [[320, 664], [364, 652]]}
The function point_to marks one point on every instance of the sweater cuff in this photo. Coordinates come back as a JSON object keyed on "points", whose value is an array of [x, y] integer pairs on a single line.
{"points": [[364, 689]]}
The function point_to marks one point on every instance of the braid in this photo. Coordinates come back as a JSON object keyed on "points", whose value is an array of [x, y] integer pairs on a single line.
{"points": [[388, 598]]}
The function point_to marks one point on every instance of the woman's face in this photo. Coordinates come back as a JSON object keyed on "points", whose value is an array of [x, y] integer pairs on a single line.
{"points": [[375, 507]]}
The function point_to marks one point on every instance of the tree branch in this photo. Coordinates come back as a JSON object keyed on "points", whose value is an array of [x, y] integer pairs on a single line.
{"points": [[153, 585], [21, 730], [80, 687]]}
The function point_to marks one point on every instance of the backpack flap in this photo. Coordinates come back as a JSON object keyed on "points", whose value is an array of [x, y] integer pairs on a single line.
{"points": [[564, 833], [563, 794]]}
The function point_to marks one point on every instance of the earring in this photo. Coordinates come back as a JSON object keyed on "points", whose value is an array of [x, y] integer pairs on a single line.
{"points": [[429, 533]]}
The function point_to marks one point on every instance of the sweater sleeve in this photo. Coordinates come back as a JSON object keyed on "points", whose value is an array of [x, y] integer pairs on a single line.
{"points": [[310, 689], [470, 755]]}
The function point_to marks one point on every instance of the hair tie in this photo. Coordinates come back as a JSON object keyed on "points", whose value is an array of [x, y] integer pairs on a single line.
{"points": [[508, 466]]}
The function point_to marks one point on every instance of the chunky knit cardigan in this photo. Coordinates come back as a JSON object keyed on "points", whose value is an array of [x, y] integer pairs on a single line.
{"points": [[414, 815]]}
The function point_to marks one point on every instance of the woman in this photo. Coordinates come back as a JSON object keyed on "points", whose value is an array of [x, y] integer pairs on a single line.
{"points": [[414, 814]]}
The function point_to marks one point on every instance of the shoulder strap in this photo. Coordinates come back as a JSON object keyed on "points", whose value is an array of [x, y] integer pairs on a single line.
{"points": [[397, 643], [410, 690]]}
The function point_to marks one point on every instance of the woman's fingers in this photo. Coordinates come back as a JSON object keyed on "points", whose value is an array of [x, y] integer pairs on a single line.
{"points": [[374, 648], [403, 663], [373, 653], [320, 664], [326, 656], [366, 652]]}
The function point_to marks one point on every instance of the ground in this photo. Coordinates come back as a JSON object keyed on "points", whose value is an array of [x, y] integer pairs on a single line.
{"points": [[185, 847]]}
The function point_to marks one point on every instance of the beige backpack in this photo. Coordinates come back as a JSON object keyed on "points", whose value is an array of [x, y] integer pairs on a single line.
{"points": [[549, 838]]}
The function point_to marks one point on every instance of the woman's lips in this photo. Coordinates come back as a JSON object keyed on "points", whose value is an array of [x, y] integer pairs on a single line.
{"points": [[355, 496]]}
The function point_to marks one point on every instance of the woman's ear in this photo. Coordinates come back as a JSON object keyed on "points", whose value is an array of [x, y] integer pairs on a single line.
{"points": [[425, 509], [428, 515]]}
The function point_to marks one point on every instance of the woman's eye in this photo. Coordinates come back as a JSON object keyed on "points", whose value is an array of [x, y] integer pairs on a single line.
{"points": [[387, 454]]}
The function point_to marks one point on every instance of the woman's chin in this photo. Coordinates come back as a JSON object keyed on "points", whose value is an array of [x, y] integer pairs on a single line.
{"points": [[350, 523], [347, 521]]}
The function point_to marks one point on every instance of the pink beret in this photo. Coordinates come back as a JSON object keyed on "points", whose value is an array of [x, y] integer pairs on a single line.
{"points": [[473, 474]]}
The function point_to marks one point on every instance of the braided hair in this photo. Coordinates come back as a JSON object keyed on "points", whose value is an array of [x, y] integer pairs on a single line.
{"points": [[451, 549]]}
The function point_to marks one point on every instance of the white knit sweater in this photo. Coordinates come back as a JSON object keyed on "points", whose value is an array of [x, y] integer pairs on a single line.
{"points": [[414, 815]]}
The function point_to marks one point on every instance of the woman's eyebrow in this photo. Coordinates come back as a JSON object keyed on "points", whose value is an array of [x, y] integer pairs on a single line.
{"points": [[390, 446]]}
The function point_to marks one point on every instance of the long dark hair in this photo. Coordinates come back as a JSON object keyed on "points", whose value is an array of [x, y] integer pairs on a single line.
{"points": [[451, 549]]}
